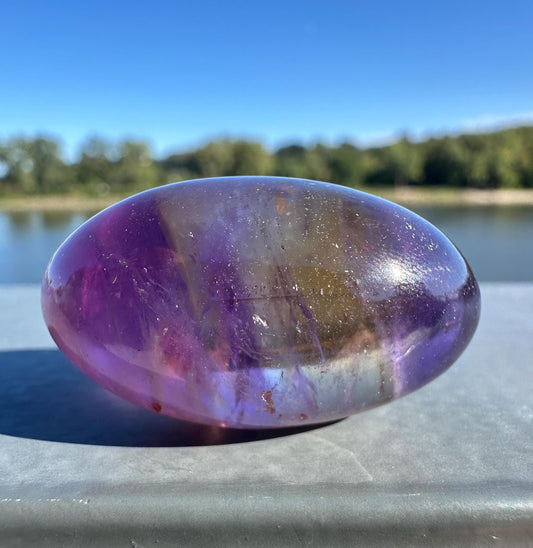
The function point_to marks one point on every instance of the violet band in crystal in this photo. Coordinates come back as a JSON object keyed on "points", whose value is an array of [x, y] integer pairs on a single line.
{"points": [[259, 302]]}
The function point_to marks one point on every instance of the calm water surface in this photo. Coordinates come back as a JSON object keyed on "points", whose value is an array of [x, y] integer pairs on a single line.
{"points": [[497, 241]]}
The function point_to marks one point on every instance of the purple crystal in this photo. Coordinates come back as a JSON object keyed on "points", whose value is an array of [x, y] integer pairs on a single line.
{"points": [[259, 302]]}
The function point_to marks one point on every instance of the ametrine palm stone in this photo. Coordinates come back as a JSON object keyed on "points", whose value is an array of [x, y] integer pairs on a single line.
{"points": [[259, 302]]}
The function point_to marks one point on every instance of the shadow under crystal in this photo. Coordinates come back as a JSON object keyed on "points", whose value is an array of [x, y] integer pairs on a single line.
{"points": [[43, 396]]}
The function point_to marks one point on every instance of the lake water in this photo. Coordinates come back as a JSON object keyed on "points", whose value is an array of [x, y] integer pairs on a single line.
{"points": [[497, 241]]}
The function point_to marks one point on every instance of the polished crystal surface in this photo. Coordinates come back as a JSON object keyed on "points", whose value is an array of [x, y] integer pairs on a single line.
{"points": [[259, 302]]}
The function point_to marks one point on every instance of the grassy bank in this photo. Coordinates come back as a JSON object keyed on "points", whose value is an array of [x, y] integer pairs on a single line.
{"points": [[408, 196], [56, 203]]}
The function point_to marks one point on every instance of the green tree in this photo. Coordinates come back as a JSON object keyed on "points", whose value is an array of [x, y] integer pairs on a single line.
{"points": [[405, 159], [94, 169], [226, 157], [442, 164], [346, 165], [298, 161], [50, 174], [250, 158], [135, 168], [17, 165], [34, 165], [180, 167], [290, 161]]}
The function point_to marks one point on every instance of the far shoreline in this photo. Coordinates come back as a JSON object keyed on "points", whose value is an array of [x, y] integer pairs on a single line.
{"points": [[406, 196]]}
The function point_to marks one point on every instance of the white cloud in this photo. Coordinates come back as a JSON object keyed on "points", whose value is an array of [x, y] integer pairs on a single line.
{"points": [[496, 121]]}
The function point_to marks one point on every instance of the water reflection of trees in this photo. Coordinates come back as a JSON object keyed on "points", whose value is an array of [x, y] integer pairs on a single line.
{"points": [[57, 219], [23, 222]]}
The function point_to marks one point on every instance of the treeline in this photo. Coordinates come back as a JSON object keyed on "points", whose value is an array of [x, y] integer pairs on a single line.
{"points": [[502, 159]]}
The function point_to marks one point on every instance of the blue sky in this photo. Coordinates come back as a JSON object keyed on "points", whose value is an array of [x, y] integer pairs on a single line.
{"points": [[181, 72]]}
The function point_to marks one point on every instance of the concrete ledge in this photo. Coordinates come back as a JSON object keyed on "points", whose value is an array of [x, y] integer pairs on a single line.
{"points": [[449, 464]]}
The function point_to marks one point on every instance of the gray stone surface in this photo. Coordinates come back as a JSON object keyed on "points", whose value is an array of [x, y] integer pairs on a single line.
{"points": [[450, 464]]}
